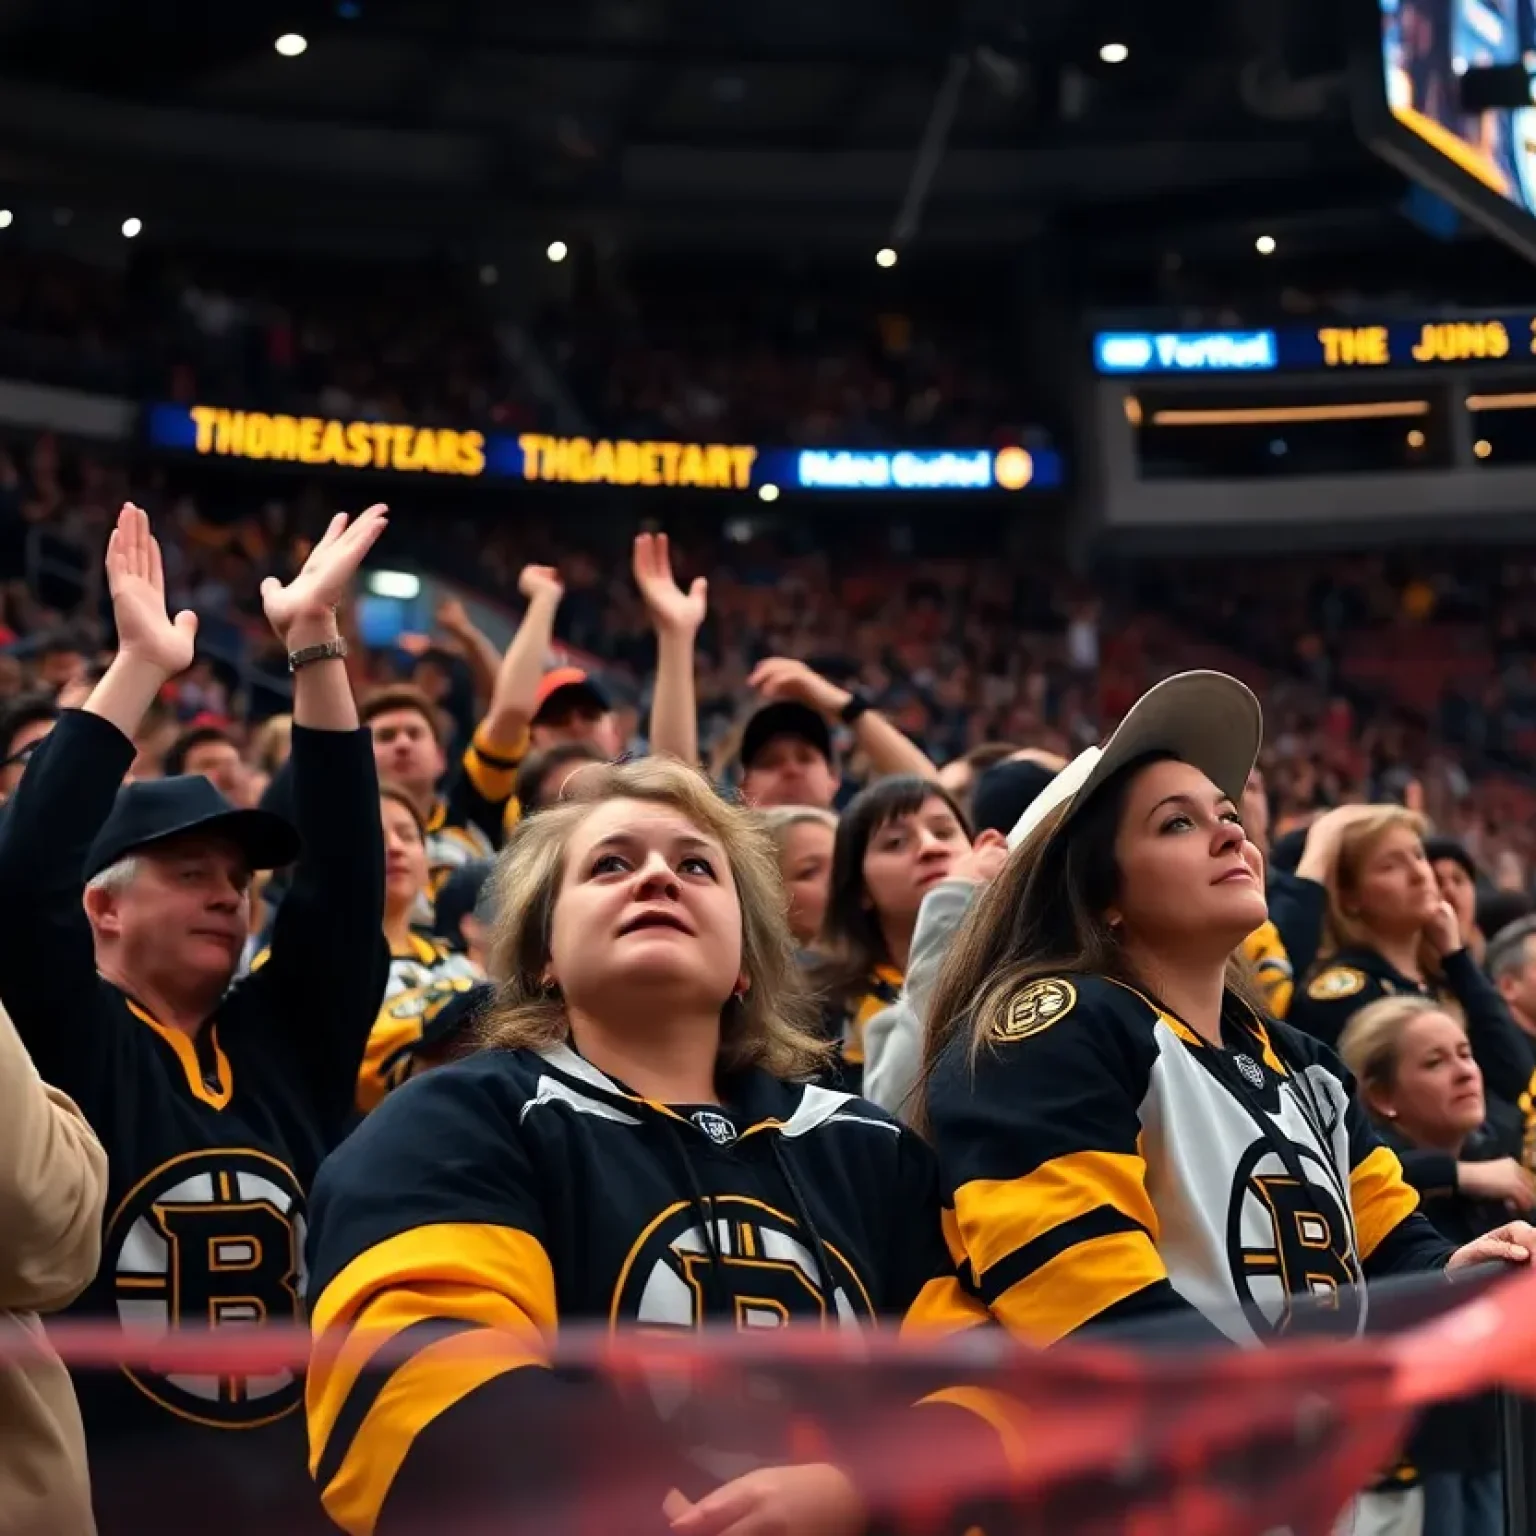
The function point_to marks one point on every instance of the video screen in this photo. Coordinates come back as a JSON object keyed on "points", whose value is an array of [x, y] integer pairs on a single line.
{"points": [[1427, 45]]}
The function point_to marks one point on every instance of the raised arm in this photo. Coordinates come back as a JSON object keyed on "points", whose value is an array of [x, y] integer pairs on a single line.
{"points": [[47, 963], [676, 616], [482, 657], [325, 976], [888, 750], [517, 680]]}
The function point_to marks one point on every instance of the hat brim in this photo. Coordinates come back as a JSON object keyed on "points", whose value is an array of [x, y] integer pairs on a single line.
{"points": [[784, 718], [566, 695], [1209, 720], [266, 840]]}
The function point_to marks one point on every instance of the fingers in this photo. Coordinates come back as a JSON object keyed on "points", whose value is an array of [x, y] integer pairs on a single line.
{"points": [[331, 534], [675, 1504], [156, 560], [186, 622], [700, 588], [718, 1512]]}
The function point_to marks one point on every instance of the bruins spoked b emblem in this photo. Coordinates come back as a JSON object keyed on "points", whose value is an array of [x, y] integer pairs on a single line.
{"points": [[1037, 1007]]}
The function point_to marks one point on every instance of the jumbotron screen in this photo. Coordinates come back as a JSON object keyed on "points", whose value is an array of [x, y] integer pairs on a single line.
{"points": [[1427, 46]]}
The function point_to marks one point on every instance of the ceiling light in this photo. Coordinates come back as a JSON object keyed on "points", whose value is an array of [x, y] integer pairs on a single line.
{"points": [[291, 44], [131, 227], [768, 492], [1114, 53], [1415, 438], [1265, 245], [5, 218], [405, 585], [557, 250], [885, 257], [1482, 447]]}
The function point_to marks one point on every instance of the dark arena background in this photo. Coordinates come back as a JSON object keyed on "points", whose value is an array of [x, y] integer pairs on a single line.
{"points": [[946, 373]]}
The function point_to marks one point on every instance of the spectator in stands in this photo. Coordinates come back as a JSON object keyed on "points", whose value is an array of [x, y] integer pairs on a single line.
{"points": [[786, 746], [60, 659], [570, 708], [895, 842], [418, 965], [1095, 1072], [461, 896], [1418, 1078], [959, 776], [1456, 877], [649, 1054], [27, 722], [211, 751], [125, 913], [543, 775], [1389, 931], [1512, 967], [803, 837], [53, 1189]]}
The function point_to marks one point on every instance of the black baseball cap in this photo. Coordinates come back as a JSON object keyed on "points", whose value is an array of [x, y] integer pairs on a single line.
{"points": [[1005, 791], [784, 718], [565, 686], [153, 810], [1441, 847], [458, 896]]}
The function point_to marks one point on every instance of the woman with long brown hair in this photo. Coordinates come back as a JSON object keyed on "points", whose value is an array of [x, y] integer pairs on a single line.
{"points": [[1390, 933], [637, 1145], [1121, 1132]]}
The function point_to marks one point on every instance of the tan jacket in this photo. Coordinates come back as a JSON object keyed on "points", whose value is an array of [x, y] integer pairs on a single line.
{"points": [[53, 1183]]}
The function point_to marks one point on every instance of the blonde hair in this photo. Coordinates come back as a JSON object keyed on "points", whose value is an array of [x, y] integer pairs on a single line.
{"points": [[272, 743], [767, 1029], [1371, 1039], [781, 820], [1356, 844]]}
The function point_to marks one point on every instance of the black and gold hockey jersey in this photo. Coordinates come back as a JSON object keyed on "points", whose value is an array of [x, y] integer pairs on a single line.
{"points": [[211, 1143], [844, 1025], [1264, 950], [1349, 979], [469, 821], [1103, 1163], [423, 977], [519, 1191]]}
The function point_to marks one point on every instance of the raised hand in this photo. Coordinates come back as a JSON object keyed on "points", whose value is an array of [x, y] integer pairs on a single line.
{"points": [[310, 600], [1443, 930], [537, 581], [136, 580], [782, 677], [669, 606]]}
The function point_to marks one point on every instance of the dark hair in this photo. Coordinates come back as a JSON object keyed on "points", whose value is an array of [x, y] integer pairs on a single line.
{"points": [[188, 742], [395, 696], [538, 766], [1042, 916], [29, 709], [63, 642], [851, 943]]}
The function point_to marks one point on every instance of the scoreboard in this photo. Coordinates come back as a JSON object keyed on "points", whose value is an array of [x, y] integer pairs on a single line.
{"points": [[1335, 348]]}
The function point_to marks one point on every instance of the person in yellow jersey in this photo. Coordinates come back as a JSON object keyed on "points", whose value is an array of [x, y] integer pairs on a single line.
{"points": [[896, 841], [1122, 1132]]}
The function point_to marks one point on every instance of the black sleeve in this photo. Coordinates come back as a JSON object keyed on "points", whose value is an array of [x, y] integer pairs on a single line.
{"points": [[1496, 1040], [1296, 908], [1323, 1017], [322, 984], [1430, 1173], [48, 978]]}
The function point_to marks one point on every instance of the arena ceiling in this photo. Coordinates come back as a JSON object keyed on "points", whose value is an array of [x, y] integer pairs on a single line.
{"points": [[658, 121]]}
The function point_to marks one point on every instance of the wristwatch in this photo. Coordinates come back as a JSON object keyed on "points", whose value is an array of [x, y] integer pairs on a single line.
{"points": [[326, 650], [858, 704]]}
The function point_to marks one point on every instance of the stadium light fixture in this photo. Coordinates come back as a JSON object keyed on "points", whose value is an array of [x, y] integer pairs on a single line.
{"points": [[769, 492], [5, 218], [131, 228], [291, 44], [885, 257], [404, 585], [1482, 447], [557, 250], [1265, 245], [1114, 53]]}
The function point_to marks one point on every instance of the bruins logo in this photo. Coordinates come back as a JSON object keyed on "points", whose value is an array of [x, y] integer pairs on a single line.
{"points": [[1336, 983], [773, 1279], [211, 1239], [1036, 1008]]}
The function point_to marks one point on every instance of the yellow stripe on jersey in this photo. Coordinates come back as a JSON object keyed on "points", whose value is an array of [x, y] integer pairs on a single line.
{"points": [[1076, 1285], [944, 1306], [1002, 1413], [1272, 968], [997, 1217], [491, 767], [495, 1278], [1379, 1198]]}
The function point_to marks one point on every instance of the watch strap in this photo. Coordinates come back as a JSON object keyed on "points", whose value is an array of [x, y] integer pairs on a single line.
{"points": [[326, 650]]}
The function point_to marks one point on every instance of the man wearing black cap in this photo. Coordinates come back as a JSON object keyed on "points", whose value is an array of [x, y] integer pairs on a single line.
{"points": [[125, 913], [786, 746]]}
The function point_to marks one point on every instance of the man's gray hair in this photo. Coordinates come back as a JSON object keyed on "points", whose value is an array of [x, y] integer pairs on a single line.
{"points": [[115, 878], [1507, 951]]}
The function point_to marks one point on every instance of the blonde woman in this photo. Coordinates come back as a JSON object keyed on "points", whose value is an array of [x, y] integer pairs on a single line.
{"points": [[1389, 933], [636, 1146], [1416, 1073], [803, 837]]}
